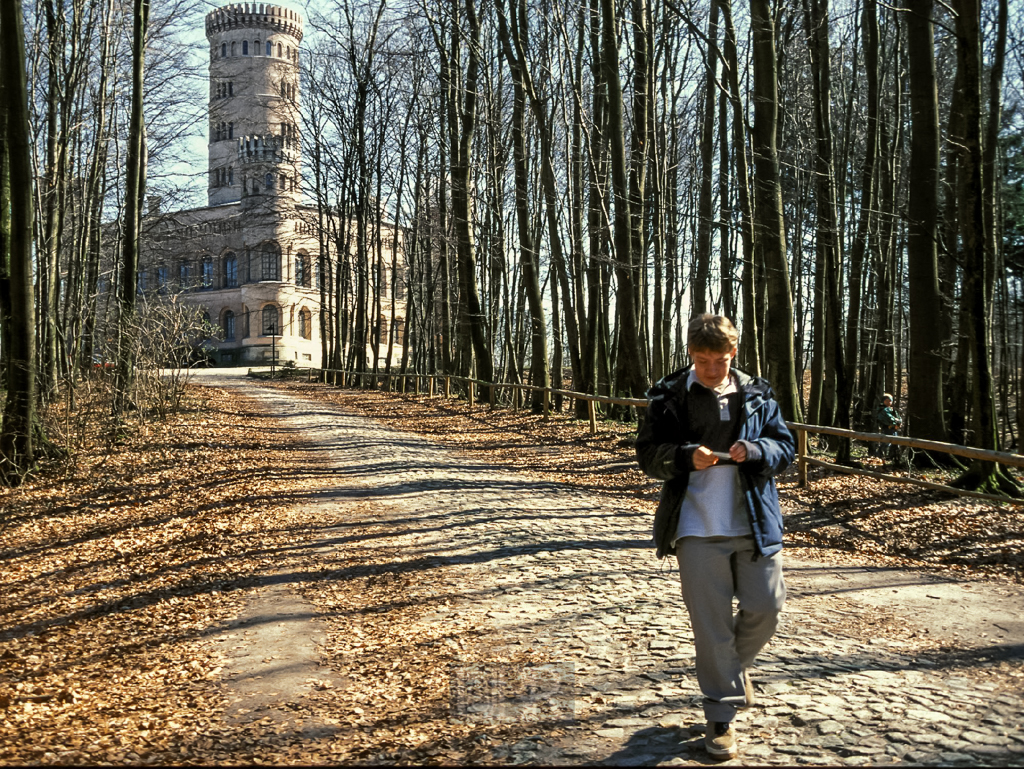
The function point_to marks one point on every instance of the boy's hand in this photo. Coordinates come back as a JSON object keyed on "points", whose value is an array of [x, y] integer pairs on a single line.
{"points": [[703, 458], [738, 452]]}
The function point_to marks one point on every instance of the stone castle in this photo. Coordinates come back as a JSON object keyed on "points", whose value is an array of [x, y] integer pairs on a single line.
{"points": [[250, 258]]}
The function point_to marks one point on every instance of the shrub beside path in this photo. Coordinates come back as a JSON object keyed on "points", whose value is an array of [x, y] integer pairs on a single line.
{"points": [[564, 641]]}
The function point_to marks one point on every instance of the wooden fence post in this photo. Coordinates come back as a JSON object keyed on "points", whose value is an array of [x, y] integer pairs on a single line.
{"points": [[547, 404], [470, 383], [492, 395], [592, 413], [447, 387]]}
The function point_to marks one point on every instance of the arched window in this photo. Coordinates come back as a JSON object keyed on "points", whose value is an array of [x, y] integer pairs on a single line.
{"points": [[207, 281], [317, 275], [284, 183], [270, 325], [271, 263], [268, 182], [302, 270], [231, 176], [279, 49], [229, 326], [183, 275], [230, 270], [223, 50], [305, 324], [232, 48], [270, 48], [255, 47], [245, 48]]}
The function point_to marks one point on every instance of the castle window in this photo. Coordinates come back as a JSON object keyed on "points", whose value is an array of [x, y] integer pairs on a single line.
{"points": [[255, 47], [230, 270], [231, 176], [223, 50], [245, 48], [284, 185], [232, 48], [207, 275], [279, 50], [271, 267], [302, 270], [183, 275], [268, 182], [161, 279], [270, 325], [270, 48], [229, 326], [305, 326]]}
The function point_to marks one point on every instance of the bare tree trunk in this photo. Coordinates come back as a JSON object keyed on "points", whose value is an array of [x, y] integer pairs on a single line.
{"points": [[134, 189], [977, 253], [750, 343], [771, 237], [17, 445], [868, 197], [528, 257], [630, 368], [702, 257], [925, 415]]}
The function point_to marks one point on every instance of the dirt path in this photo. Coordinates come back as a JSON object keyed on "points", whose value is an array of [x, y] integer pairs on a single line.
{"points": [[566, 632]]}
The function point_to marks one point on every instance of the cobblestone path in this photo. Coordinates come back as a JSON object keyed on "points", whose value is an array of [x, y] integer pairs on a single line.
{"points": [[567, 580]]}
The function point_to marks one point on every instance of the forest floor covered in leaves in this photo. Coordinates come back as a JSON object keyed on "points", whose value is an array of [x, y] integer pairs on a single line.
{"points": [[120, 563]]}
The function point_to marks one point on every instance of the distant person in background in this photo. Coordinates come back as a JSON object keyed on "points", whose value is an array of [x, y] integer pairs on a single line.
{"points": [[717, 438], [889, 423]]}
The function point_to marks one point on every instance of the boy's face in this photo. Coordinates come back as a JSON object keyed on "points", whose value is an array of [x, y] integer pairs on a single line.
{"points": [[712, 367], [887, 402]]}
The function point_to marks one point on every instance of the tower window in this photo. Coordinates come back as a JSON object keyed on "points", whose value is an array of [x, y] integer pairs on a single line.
{"points": [[231, 176], [230, 271], [255, 47], [271, 267], [268, 182], [284, 184], [223, 50], [279, 50], [245, 48], [207, 276], [305, 327], [270, 324], [270, 48], [233, 48], [302, 270]]}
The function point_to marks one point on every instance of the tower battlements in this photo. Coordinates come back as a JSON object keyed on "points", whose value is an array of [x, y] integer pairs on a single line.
{"points": [[273, 18]]}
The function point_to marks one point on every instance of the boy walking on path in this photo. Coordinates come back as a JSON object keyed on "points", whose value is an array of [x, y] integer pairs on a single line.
{"points": [[715, 435]]}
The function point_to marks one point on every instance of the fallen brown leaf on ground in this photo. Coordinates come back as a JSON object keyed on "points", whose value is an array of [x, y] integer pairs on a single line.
{"points": [[117, 565]]}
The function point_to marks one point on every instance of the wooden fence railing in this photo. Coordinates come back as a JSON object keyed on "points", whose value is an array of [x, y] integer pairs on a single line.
{"points": [[802, 431]]}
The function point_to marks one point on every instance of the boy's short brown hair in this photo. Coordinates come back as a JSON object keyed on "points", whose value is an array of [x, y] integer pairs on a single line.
{"points": [[711, 333]]}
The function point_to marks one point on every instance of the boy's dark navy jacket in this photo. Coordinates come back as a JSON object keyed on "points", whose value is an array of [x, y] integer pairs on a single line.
{"points": [[665, 446]]}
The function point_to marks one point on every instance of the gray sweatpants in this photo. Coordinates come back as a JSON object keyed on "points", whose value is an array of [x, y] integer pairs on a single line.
{"points": [[713, 570]]}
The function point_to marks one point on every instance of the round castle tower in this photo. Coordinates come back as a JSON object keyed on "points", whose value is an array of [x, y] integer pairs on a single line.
{"points": [[254, 105]]}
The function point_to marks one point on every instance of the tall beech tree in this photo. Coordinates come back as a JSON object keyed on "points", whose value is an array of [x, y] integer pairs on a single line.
{"points": [[925, 416], [17, 310]]}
